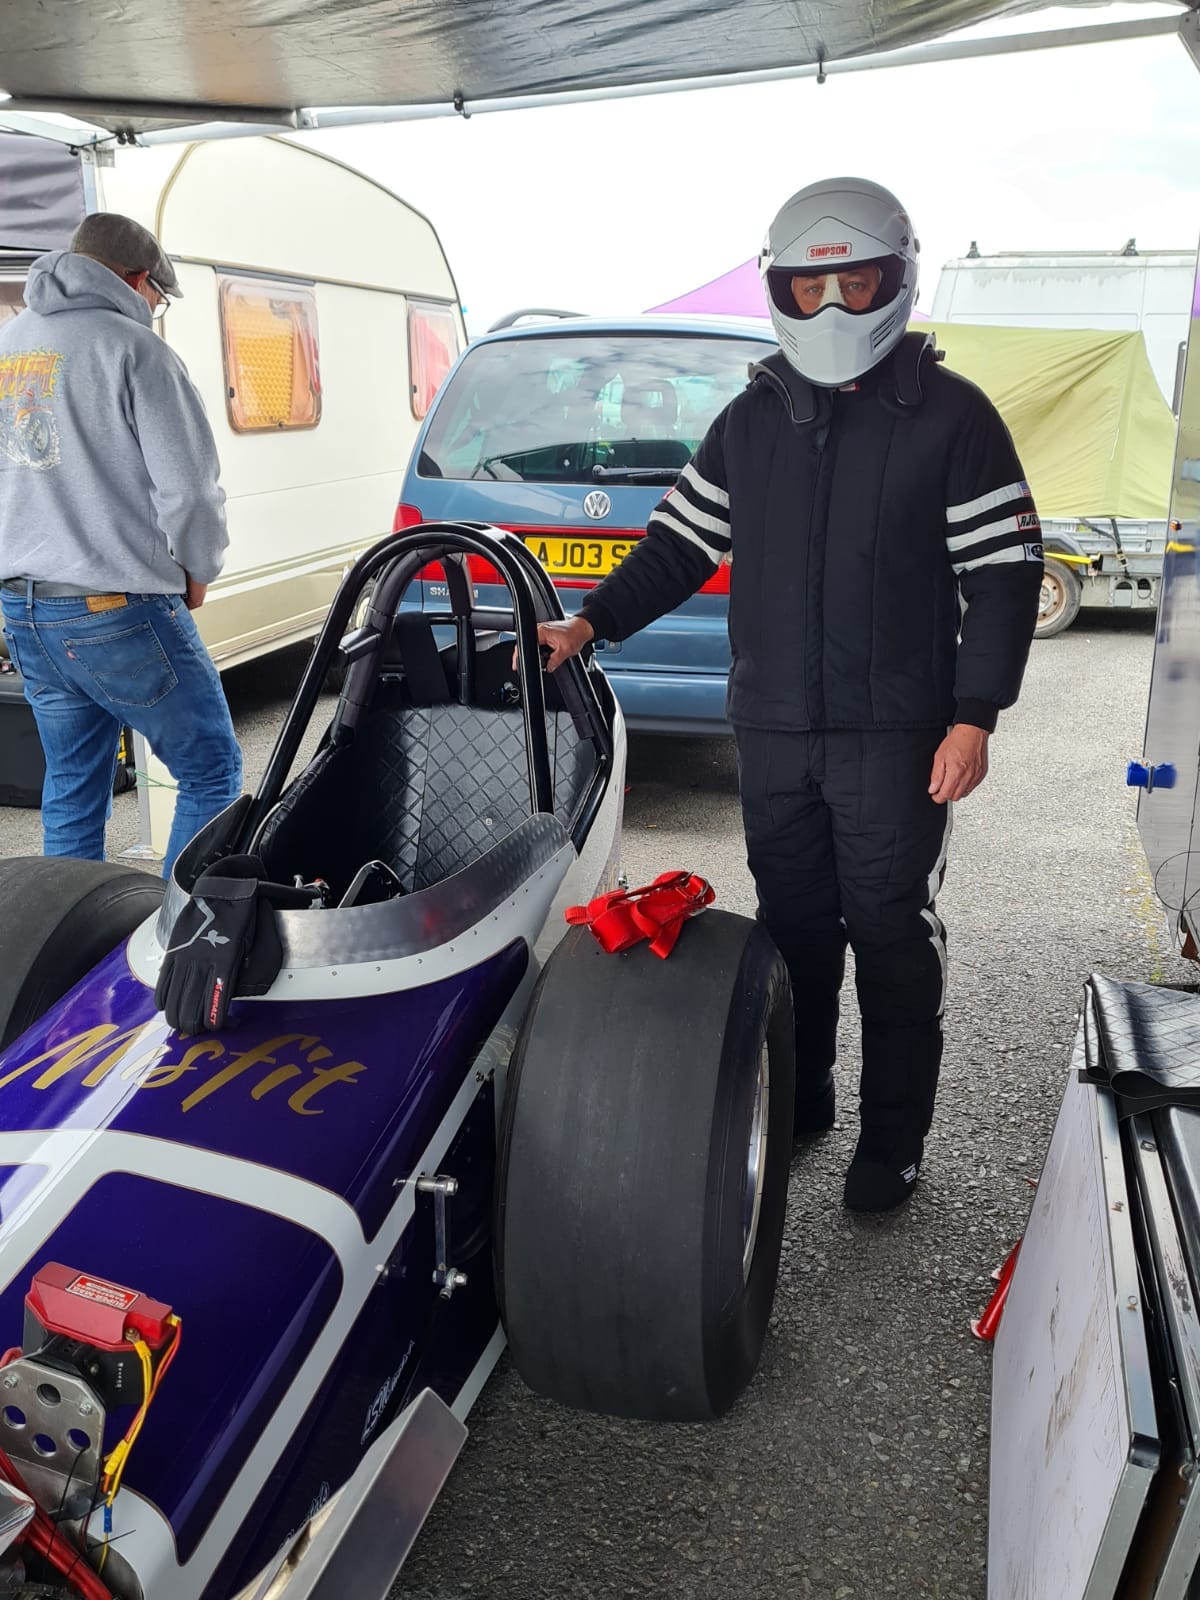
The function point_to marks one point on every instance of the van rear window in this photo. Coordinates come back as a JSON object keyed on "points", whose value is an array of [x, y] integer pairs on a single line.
{"points": [[550, 409], [272, 370]]}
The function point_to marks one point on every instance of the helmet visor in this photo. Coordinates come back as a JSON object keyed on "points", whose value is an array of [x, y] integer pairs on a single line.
{"points": [[865, 286]]}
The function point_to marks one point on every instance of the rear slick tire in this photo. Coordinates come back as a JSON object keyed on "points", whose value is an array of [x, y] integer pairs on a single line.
{"points": [[58, 918], [645, 1145]]}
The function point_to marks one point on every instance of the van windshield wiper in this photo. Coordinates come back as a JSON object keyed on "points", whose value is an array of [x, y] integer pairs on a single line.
{"points": [[506, 474], [639, 474]]}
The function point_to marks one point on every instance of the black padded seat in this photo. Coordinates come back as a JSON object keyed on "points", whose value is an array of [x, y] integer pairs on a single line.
{"points": [[428, 789]]}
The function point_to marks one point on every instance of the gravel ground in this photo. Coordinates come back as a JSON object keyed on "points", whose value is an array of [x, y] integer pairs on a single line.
{"points": [[856, 1466]]}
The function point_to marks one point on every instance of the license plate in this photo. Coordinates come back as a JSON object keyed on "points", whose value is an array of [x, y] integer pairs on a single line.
{"points": [[579, 558]]}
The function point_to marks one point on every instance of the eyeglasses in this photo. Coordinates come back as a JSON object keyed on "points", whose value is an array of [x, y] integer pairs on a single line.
{"points": [[160, 309]]}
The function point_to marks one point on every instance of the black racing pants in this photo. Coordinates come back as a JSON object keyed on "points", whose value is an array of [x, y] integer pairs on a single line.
{"points": [[845, 845]]}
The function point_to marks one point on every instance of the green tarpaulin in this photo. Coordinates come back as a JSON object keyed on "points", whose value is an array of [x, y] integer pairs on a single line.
{"points": [[1090, 423]]}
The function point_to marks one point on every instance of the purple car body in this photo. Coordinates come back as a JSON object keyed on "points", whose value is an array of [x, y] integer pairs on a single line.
{"points": [[277, 1185]]}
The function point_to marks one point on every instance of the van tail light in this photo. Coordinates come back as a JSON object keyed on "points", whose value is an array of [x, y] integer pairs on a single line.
{"points": [[481, 571], [409, 517], [719, 582]]}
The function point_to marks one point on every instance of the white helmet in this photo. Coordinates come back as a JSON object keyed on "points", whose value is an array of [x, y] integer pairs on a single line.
{"points": [[853, 320]]}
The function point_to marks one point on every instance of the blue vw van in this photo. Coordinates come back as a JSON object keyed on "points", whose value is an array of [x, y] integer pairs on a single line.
{"points": [[568, 433]]}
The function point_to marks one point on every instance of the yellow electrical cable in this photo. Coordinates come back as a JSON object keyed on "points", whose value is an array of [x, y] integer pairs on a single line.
{"points": [[114, 1466]]}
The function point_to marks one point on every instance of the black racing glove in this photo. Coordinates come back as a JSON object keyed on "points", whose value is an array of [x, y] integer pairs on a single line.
{"points": [[224, 944]]}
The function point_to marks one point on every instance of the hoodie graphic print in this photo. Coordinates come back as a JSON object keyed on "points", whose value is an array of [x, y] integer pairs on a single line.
{"points": [[28, 432], [109, 477]]}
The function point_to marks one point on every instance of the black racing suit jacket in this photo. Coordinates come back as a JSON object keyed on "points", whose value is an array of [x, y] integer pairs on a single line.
{"points": [[885, 552]]}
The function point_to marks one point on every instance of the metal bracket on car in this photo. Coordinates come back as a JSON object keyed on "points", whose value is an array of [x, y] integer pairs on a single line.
{"points": [[357, 1543], [446, 1277]]}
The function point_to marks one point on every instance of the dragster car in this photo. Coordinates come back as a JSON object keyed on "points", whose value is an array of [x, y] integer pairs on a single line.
{"points": [[252, 1278]]}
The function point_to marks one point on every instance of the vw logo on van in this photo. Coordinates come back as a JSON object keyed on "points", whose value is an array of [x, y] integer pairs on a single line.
{"points": [[597, 505]]}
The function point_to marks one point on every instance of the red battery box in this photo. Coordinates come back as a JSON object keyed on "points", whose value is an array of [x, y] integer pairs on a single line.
{"points": [[88, 1325]]}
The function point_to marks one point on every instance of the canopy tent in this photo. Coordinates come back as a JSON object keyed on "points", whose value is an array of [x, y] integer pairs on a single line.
{"points": [[132, 67], [738, 293], [1093, 431], [42, 198]]}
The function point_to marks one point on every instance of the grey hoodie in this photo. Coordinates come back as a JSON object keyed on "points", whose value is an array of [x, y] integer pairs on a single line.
{"points": [[108, 467]]}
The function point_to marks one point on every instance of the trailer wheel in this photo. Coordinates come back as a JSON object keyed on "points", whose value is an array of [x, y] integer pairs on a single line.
{"points": [[1062, 594], [643, 1168], [58, 918]]}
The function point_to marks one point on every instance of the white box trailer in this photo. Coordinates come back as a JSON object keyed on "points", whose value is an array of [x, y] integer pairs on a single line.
{"points": [[1098, 560], [1119, 290], [318, 315]]}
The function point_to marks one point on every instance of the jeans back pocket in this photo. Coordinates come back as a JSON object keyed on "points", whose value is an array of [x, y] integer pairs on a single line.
{"points": [[128, 668], [20, 660]]}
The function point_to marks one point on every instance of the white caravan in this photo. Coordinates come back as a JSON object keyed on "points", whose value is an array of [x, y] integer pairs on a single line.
{"points": [[319, 315]]}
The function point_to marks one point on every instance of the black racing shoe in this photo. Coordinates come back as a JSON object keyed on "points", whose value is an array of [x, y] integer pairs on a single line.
{"points": [[815, 1108], [883, 1173]]}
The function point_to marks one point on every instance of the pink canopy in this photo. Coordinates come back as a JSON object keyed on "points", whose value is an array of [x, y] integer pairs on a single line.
{"points": [[734, 294], [738, 293]]}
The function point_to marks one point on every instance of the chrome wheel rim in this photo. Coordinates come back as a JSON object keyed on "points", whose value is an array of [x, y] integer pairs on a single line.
{"points": [[756, 1161]]}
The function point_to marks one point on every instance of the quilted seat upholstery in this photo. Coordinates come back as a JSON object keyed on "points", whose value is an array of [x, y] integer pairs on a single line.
{"points": [[428, 789]]}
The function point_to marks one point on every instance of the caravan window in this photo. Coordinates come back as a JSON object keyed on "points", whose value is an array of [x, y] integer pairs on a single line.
{"points": [[432, 348], [272, 371]]}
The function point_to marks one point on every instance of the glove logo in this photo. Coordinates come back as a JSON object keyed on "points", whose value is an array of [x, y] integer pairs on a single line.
{"points": [[205, 931], [214, 1004]]}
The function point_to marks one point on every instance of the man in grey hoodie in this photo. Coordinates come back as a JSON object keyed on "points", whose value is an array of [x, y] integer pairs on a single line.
{"points": [[112, 526]]}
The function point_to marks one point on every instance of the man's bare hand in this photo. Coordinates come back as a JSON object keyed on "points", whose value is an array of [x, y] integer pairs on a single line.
{"points": [[565, 639], [960, 764], [194, 597]]}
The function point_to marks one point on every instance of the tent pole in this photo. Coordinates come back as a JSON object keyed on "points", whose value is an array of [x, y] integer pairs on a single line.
{"points": [[315, 118], [908, 56]]}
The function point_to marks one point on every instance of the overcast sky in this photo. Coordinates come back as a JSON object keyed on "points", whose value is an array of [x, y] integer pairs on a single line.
{"points": [[619, 205]]}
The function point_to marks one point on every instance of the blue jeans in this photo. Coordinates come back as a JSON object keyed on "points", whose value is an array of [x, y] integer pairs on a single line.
{"points": [[89, 672]]}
